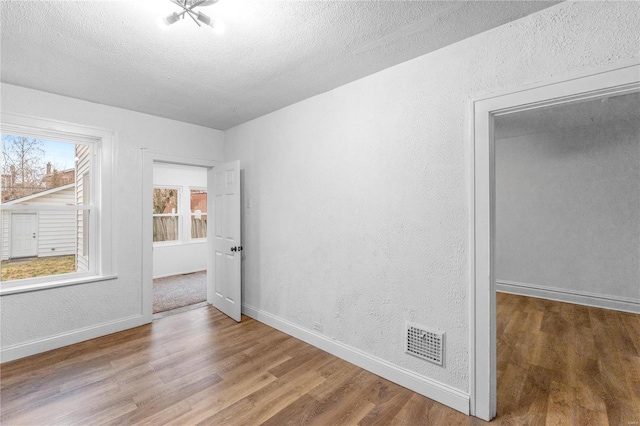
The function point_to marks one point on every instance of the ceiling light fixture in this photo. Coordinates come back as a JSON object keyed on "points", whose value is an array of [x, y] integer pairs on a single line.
{"points": [[188, 7]]}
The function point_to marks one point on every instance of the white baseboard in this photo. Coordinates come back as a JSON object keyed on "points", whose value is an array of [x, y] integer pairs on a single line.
{"points": [[33, 347], [437, 391], [571, 296]]}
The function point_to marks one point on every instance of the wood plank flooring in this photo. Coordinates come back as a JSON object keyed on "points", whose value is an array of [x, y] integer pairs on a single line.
{"points": [[199, 367], [566, 364]]}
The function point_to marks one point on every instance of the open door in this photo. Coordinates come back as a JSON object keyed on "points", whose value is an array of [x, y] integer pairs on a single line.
{"points": [[223, 238]]}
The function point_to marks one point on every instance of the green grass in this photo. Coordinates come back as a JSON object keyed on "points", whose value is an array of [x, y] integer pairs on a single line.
{"points": [[37, 267]]}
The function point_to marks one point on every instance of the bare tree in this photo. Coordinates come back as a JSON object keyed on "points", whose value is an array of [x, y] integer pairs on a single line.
{"points": [[165, 228], [163, 199], [22, 166]]}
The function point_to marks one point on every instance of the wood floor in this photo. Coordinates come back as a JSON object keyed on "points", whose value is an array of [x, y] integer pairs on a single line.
{"points": [[566, 364], [199, 367]]}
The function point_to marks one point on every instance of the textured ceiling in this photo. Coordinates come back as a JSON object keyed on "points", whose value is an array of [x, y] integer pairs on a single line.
{"points": [[271, 54]]}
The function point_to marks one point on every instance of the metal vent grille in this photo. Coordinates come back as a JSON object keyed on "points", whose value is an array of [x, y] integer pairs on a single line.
{"points": [[425, 344]]}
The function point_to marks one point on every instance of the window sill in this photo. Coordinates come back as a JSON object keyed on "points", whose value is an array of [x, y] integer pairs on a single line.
{"points": [[26, 288], [178, 243]]}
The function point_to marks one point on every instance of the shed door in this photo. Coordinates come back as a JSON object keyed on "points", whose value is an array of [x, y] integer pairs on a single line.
{"points": [[223, 267], [24, 234]]}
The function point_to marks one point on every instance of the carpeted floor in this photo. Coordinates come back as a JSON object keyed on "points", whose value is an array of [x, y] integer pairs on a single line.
{"points": [[178, 291]]}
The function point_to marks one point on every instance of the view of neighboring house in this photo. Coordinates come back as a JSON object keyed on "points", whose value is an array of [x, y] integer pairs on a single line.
{"points": [[51, 231], [54, 178], [199, 201], [40, 233], [12, 189]]}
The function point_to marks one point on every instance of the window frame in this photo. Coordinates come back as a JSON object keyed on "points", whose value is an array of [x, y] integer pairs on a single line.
{"points": [[177, 215], [102, 141]]}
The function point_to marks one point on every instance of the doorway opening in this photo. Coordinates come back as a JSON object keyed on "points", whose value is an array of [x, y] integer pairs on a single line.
{"points": [[222, 249], [567, 261], [179, 238], [527, 106]]}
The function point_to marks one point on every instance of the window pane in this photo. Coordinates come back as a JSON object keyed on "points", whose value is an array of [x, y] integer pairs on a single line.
{"points": [[198, 213], [165, 201], [198, 201], [165, 228], [199, 226], [44, 242], [32, 166], [39, 244]]}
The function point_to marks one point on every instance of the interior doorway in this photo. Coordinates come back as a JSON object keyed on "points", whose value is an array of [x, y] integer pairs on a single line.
{"points": [[179, 238], [600, 85], [223, 252], [567, 261]]}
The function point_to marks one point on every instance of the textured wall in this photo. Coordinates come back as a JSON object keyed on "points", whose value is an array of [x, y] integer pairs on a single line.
{"points": [[36, 315], [567, 209], [359, 197]]}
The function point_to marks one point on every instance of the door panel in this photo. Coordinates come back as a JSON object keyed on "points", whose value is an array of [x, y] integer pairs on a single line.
{"points": [[224, 267], [24, 237]]}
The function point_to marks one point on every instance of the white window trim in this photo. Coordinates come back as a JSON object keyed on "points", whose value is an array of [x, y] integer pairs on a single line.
{"points": [[102, 264]]}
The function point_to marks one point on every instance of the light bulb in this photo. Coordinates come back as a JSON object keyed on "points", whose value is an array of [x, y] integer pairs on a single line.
{"points": [[204, 19]]}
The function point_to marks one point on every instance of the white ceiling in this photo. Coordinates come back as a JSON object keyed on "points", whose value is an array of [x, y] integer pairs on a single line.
{"points": [[271, 54]]}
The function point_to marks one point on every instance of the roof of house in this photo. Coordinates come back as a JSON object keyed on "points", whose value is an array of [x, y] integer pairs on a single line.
{"points": [[40, 194]]}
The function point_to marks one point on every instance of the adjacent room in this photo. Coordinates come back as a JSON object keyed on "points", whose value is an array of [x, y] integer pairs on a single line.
{"points": [[568, 257], [179, 238], [320, 212]]}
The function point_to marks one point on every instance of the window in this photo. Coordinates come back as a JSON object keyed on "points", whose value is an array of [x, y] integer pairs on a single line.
{"points": [[56, 221], [166, 219], [170, 224], [198, 213]]}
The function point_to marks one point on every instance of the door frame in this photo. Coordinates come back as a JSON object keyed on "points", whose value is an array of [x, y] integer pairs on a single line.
{"points": [[149, 157], [619, 79], [10, 236]]}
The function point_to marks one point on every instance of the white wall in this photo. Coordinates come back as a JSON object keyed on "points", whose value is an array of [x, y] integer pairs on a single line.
{"points": [[185, 256], [40, 319], [359, 197], [568, 210]]}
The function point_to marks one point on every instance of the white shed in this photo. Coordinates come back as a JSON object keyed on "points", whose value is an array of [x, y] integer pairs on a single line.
{"points": [[41, 233]]}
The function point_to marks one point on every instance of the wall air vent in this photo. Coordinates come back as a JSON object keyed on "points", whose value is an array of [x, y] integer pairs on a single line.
{"points": [[425, 344]]}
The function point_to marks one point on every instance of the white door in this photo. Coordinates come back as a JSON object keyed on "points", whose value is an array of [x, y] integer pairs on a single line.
{"points": [[24, 234], [223, 268]]}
